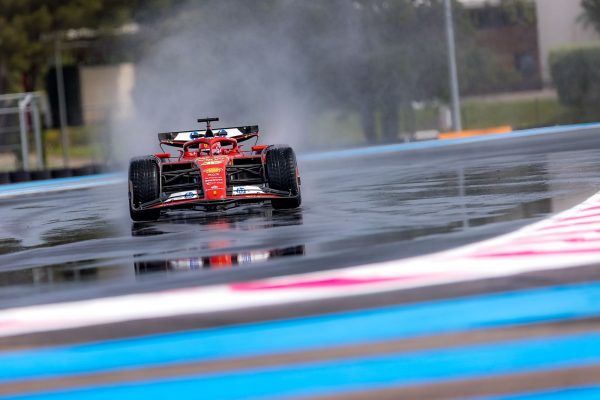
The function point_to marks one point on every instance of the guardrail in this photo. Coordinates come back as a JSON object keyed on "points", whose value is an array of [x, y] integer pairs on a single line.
{"points": [[29, 107]]}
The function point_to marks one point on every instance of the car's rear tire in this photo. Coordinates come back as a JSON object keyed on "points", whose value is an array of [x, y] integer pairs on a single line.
{"points": [[282, 174], [144, 186]]}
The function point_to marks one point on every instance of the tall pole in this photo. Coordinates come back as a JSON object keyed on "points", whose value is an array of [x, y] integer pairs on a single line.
{"points": [[456, 120], [62, 102], [37, 130], [23, 104]]}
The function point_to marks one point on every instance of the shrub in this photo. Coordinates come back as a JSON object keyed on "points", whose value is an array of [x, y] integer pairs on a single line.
{"points": [[576, 75]]}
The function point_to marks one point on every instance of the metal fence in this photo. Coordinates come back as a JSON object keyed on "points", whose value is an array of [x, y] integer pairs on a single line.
{"points": [[20, 117]]}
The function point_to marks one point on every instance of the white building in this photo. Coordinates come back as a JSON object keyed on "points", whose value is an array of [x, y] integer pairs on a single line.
{"points": [[560, 24], [106, 92]]}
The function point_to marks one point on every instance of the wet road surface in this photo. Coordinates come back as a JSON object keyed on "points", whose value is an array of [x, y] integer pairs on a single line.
{"points": [[82, 244]]}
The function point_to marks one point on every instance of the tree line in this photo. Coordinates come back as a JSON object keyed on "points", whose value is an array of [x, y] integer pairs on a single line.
{"points": [[371, 57]]}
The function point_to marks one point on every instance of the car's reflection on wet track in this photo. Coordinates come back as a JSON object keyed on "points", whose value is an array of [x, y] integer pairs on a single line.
{"points": [[225, 260], [210, 259]]}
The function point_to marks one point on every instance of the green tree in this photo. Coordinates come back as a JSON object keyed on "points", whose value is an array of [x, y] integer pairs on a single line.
{"points": [[27, 28], [379, 55], [391, 53], [591, 13]]}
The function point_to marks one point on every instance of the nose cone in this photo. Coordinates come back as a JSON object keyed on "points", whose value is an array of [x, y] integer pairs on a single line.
{"points": [[214, 177]]}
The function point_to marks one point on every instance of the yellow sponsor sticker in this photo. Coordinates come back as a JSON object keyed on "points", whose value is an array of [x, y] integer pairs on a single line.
{"points": [[213, 170], [211, 162]]}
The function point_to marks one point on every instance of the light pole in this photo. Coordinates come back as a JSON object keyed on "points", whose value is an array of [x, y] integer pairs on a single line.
{"points": [[62, 102], [454, 91]]}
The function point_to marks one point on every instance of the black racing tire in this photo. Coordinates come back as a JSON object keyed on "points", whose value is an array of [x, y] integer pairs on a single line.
{"points": [[4, 177], [61, 173], [41, 175], [282, 175], [19, 176], [98, 168], [83, 171], [144, 186]]}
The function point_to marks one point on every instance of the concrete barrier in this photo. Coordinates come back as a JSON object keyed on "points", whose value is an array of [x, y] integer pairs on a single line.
{"points": [[41, 175]]}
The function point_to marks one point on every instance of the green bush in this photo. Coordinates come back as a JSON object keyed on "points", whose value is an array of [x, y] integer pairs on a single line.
{"points": [[576, 75]]}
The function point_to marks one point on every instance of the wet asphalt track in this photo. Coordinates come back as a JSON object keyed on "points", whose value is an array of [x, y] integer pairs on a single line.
{"points": [[82, 244]]}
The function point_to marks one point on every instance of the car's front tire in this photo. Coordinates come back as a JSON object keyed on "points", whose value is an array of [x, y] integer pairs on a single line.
{"points": [[282, 174], [144, 186]]}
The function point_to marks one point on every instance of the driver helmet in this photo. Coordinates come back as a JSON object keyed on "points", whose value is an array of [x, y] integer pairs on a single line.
{"points": [[204, 148], [217, 149]]}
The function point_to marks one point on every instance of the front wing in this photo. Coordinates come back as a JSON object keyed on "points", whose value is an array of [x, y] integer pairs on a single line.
{"points": [[235, 195]]}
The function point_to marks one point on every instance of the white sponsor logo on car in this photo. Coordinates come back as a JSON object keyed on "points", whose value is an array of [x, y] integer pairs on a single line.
{"points": [[188, 195], [244, 190]]}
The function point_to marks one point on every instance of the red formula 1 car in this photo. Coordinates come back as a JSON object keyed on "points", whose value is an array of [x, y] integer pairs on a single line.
{"points": [[212, 172]]}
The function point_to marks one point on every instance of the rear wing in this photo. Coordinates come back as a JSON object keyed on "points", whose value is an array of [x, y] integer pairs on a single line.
{"points": [[240, 133]]}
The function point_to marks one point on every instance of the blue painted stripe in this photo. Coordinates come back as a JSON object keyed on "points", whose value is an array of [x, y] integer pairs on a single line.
{"points": [[60, 184], [476, 312], [59, 181], [579, 393], [394, 370], [368, 151]]}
